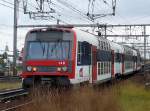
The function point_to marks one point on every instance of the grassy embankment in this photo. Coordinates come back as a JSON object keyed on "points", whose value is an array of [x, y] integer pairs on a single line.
{"points": [[134, 97], [128, 96], [9, 85]]}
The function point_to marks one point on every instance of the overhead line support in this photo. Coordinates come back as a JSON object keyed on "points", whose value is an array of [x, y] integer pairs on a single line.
{"points": [[15, 37]]}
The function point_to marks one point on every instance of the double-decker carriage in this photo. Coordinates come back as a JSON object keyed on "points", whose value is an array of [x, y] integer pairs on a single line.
{"points": [[63, 56]]}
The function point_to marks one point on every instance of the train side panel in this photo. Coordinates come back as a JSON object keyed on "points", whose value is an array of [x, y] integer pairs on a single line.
{"points": [[118, 58]]}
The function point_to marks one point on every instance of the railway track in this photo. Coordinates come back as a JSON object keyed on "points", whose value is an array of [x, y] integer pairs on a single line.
{"points": [[13, 94], [146, 71], [9, 94], [9, 78], [17, 107], [146, 67], [11, 100]]}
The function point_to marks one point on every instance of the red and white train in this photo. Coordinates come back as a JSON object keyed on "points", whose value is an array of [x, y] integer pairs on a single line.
{"points": [[63, 56]]}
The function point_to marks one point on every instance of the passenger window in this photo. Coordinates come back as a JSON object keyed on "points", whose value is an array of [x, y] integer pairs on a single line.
{"points": [[99, 68], [106, 46], [84, 53], [101, 45], [79, 52], [105, 67]]}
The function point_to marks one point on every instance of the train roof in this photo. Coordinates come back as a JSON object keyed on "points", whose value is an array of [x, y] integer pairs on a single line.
{"points": [[91, 38], [86, 36], [116, 47]]}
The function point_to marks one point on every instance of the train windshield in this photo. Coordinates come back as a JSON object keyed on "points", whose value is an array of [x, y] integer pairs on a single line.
{"points": [[49, 50]]}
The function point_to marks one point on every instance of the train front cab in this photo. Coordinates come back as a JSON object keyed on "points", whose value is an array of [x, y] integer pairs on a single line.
{"points": [[49, 57]]}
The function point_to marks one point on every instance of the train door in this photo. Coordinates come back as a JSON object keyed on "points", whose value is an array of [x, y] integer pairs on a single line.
{"points": [[83, 61], [94, 64]]}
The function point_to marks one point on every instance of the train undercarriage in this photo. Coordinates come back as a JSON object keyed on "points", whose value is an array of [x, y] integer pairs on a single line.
{"points": [[50, 81]]}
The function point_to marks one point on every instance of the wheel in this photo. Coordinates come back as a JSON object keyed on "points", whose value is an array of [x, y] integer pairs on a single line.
{"points": [[62, 82], [27, 83]]}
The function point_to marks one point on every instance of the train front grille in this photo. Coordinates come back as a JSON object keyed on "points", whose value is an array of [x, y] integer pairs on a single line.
{"points": [[47, 69]]}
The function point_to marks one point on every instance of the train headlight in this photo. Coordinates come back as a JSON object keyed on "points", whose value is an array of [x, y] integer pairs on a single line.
{"points": [[64, 68], [34, 69], [29, 68], [58, 68]]}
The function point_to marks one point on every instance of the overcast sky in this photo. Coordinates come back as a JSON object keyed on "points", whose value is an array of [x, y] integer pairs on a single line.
{"points": [[127, 12]]}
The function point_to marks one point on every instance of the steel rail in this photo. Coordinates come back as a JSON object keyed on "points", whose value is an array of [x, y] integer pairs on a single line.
{"points": [[9, 78], [16, 107], [4, 95]]}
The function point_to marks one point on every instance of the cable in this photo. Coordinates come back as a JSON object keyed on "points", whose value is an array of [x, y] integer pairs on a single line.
{"points": [[6, 6], [10, 3], [74, 9], [59, 7], [9, 6], [7, 2]]}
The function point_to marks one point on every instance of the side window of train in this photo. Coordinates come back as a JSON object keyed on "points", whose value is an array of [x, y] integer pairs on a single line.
{"points": [[79, 53], [117, 57], [101, 45], [84, 53], [104, 46]]}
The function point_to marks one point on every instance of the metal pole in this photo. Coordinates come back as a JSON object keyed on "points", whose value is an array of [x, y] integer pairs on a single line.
{"points": [[58, 21], [105, 31], [15, 37], [144, 44]]}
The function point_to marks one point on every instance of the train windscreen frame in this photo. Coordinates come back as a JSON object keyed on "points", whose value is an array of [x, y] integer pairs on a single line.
{"points": [[52, 50]]}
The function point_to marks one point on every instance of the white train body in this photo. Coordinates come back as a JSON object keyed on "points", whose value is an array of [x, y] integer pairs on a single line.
{"points": [[107, 70], [90, 58]]}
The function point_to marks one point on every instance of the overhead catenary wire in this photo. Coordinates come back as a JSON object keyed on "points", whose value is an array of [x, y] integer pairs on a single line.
{"points": [[10, 3], [6, 5], [74, 9], [60, 9]]}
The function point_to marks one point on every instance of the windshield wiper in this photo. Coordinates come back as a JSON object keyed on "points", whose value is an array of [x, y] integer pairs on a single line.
{"points": [[43, 47], [69, 51], [54, 46]]}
